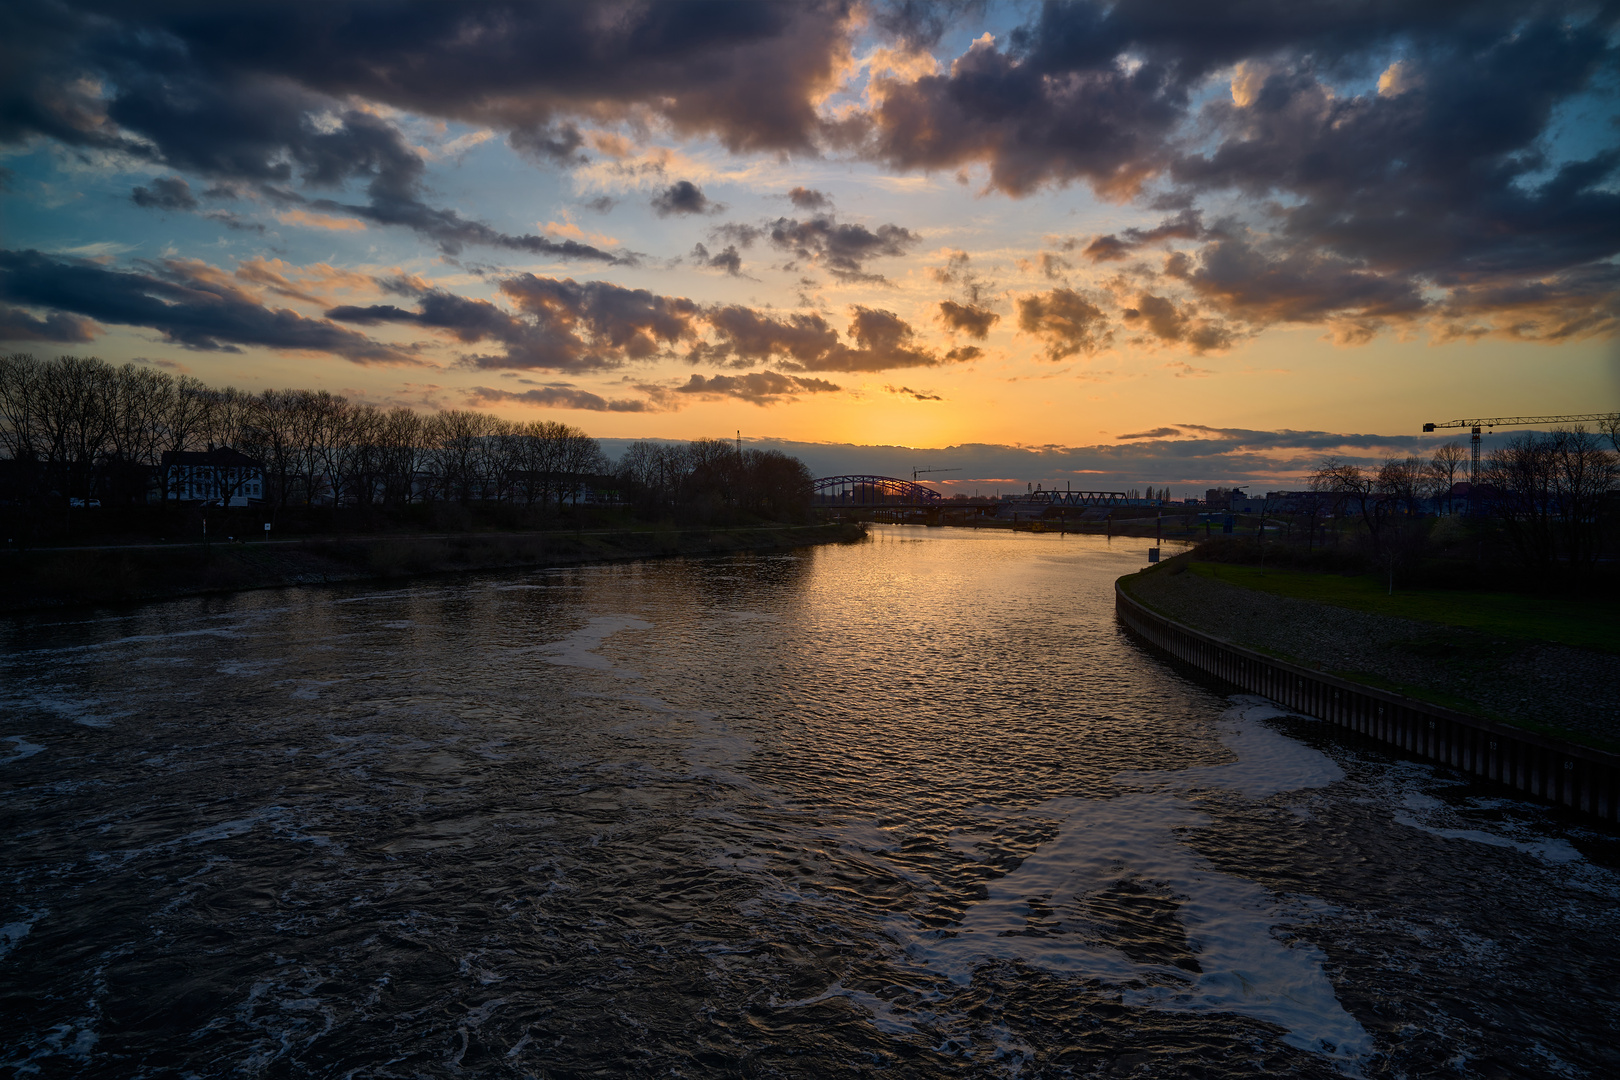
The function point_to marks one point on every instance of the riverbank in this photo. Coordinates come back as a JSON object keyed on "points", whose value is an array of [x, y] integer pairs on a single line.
{"points": [[68, 577], [1548, 686]]}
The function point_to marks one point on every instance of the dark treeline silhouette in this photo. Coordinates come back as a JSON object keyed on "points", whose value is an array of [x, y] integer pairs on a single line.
{"points": [[1544, 510], [709, 475], [78, 429]]}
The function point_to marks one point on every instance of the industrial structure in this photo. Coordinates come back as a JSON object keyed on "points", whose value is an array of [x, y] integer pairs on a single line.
{"points": [[1513, 421]]}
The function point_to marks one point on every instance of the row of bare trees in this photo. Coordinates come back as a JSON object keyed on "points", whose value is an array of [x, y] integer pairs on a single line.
{"points": [[708, 475], [80, 428], [1548, 491]]}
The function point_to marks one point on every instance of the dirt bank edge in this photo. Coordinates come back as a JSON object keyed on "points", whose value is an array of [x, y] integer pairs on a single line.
{"points": [[62, 578]]}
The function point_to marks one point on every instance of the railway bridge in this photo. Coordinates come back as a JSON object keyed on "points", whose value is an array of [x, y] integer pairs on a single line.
{"points": [[871, 492]]}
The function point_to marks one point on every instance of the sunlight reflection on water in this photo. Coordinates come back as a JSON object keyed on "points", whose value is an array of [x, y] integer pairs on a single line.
{"points": [[917, 804]]}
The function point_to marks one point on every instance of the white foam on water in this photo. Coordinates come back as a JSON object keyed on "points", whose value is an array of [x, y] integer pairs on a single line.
{"points": [[1230, 922], [1549, 849], [1268, 762], [1552, 850], [84, 711], [24, 748], [579, 648], [12, 933]]}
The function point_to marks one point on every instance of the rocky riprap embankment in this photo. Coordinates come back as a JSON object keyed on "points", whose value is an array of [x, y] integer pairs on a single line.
{"points": [[1559, 686]]}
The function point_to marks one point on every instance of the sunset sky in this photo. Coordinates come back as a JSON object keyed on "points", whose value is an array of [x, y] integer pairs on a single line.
{"points": [[1140, 243]]}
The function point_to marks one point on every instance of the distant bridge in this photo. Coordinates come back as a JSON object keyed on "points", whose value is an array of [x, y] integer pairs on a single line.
{"points": [[873, 492], [878, 492], [1082, 498]]}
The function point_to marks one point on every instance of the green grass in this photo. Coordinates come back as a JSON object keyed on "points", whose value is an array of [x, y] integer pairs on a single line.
{"points": [[1587, 624]]}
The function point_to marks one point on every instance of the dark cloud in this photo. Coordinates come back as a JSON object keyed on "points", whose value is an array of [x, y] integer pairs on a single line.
{"points": [[748, 74], [214, 95], [727, 260], [234, 221], [883, 341], [166, 193], [876, 340], [683, 197], [756, 387], [1161, 318], [561, 325], [1421, 145], [602, 204], [1066, 321], [1187, 225], [564, 325], [451, 232], [907, 391], [743, 337], [191, 304], [738, 233], [840, 249], [19, 325], [810, 199], [968, 319], [1156, 433], [1262, 285], [558, 397], [919, 24]]}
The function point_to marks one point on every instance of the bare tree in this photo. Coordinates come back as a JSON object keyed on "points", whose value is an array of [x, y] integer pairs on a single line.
{"points": [[1583, 473], [1350, 485], [1443, 468], [1520, 475]]}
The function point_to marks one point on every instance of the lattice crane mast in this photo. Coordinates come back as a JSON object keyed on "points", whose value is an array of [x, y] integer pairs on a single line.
{"points": [[1513, 421], [918, 472]]}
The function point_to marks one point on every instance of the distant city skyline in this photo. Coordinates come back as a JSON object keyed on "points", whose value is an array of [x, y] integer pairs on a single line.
{"points": [[1104, 245]]}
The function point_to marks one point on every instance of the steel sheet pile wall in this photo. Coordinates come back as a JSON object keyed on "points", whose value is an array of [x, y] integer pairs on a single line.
{"points": [[1549, 768]]}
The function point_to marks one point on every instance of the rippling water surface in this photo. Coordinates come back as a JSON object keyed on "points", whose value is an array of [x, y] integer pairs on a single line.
{"points": [[913, 807]]}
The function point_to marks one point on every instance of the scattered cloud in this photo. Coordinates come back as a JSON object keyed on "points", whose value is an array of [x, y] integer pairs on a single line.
{"points": [[191, 304], [166, 193], [968, 319], [810, 199], [558, 397], [755, 387], [320, 221], [907, 391], [1065, 321], [683, 197], [57, 326], [842, 250]]}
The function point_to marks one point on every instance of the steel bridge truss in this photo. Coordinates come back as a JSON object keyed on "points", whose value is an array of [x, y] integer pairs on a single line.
{"points": [[1078, 498], [875, 491], [864, 490]]}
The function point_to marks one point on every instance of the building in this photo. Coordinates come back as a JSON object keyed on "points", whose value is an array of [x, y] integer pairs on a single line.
{"points": [[221, 476]]}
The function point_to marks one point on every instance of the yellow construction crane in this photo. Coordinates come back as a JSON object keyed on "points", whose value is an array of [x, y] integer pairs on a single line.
{"points": [[1513, 421]]}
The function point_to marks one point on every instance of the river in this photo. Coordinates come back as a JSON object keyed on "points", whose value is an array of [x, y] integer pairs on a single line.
{"points": [[913, 807]]}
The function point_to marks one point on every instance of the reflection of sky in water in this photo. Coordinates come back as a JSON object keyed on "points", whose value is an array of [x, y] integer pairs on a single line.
{"points": [[917, 802]]}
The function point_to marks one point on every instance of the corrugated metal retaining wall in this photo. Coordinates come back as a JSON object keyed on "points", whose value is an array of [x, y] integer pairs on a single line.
{"points": [[1561, 772]]}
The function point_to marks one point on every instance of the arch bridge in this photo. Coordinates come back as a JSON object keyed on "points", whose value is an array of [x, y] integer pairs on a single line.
{"points": [[865, 490]]}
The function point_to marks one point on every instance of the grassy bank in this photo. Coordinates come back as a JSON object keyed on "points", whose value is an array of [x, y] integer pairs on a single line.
{"points": [[1585, 624], [68, 577], [1547, 664]]}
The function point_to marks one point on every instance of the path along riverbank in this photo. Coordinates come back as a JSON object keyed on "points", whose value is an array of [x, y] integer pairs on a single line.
{"points": [[1552, 688], [64, 577]]}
